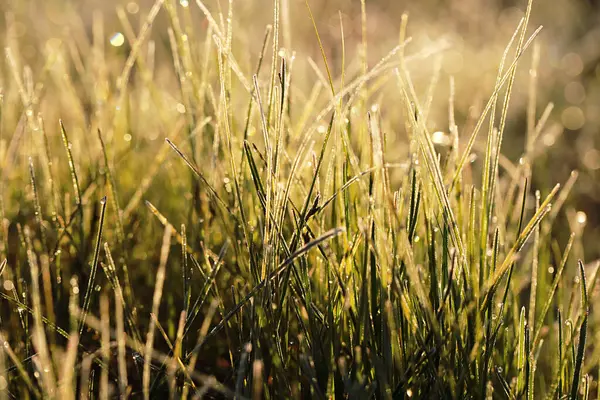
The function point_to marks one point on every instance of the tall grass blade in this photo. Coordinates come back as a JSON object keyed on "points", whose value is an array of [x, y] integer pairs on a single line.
{"points": [[94, 266], [582, 335]]}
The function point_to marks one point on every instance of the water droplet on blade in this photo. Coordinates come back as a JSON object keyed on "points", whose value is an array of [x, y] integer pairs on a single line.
{"points": [[117, 40]]}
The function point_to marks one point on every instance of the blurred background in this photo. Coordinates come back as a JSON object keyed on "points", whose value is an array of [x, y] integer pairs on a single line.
{"points": [[468, 36]]}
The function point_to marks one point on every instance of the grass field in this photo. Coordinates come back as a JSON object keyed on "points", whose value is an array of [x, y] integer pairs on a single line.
{"points": [[252, 199]]}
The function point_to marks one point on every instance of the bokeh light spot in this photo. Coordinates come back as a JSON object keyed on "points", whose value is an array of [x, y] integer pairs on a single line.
{"points": [[132, 7], [8, 285], [575, 93], [572, 64], [117, 39], [591, 159], [572, 118]]}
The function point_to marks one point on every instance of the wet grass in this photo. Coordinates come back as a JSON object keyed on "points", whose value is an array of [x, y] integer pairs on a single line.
{"points": [[280, 238]]}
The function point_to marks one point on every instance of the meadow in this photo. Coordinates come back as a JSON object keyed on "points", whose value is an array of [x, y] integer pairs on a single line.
{"points": [[298, 199]]}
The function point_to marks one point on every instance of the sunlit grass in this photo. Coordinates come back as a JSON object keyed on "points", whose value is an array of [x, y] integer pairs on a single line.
{"points": [[211, 225]]}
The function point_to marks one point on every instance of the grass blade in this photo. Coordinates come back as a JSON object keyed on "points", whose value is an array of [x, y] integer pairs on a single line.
{"points": [[92, 279]]}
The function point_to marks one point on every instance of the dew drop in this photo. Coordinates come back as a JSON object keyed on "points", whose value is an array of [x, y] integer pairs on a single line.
{"points": [[117, 40], [441, 138], [581, 218]]}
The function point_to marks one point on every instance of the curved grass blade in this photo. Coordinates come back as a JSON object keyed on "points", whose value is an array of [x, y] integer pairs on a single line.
{"points": [[521, 240], [312, 18], [488, 106], [200, 175]]}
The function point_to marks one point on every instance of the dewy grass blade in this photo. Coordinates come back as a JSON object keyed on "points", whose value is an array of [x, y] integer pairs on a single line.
{"points": [[534, 268], [488, 106], [490, 163], [195, 309], [302, 219], [110, 180], [92, 280], [111, 274], [329, 78], [257, 72], [582, 335], [195, 170], [422, 295], [550, 297], [433, 167], [123, 79], [158, 292], [510, 257], [74, 178], [38, 208], [39, 338]]}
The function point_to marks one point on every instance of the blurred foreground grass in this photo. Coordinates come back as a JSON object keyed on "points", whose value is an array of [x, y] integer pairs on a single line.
{"points": [[354, 204]]}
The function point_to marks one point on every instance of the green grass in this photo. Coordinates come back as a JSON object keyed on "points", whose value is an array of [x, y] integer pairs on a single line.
{"points": [[211, 225]]}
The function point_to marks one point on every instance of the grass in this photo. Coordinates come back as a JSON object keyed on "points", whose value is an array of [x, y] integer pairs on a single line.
{"points": [[213, 226]]}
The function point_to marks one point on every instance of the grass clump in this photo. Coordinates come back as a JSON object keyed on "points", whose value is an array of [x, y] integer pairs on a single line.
{"points": [[213, 226]]}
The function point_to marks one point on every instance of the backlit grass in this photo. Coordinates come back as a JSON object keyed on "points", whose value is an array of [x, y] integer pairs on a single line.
{"points": [[184, 216]]}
